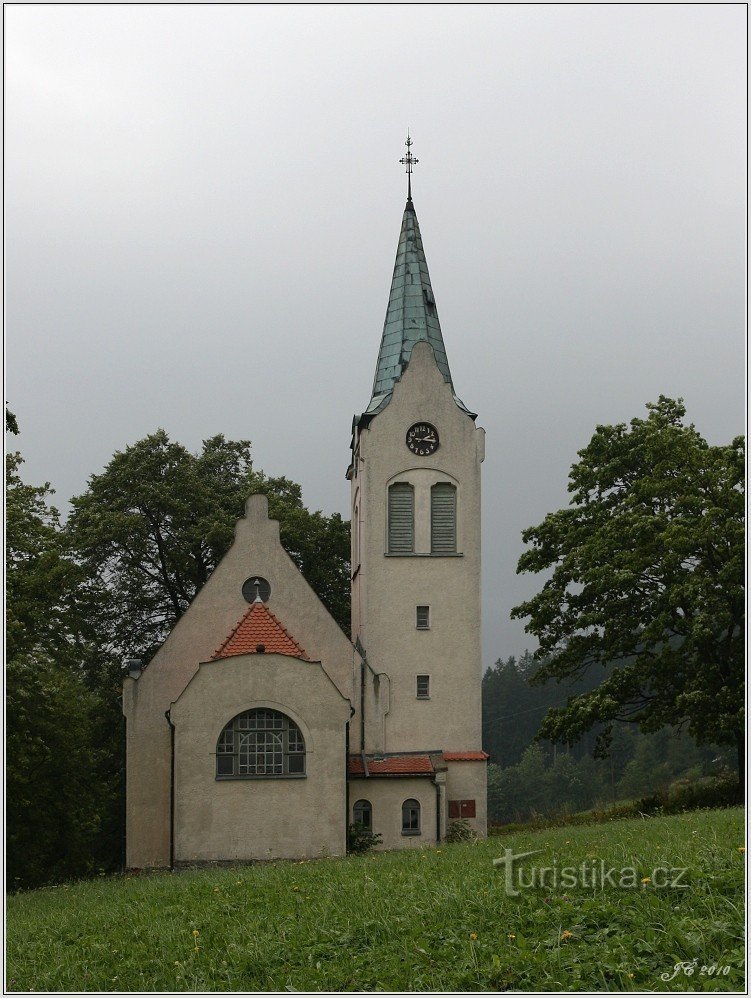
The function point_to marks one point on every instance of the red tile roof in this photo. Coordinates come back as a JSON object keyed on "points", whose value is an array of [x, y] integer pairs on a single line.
{"points": [[259, 626], [466, 756], [391, 765]]}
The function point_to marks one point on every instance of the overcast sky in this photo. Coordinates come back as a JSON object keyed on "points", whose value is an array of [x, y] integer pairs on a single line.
{"points": [[203, 205]]}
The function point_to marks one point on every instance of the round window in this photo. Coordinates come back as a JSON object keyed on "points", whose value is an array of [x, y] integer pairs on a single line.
{"points": [[256, 588]]}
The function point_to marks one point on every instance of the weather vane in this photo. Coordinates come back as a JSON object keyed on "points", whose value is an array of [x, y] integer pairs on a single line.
{"points": [[409, 161]]}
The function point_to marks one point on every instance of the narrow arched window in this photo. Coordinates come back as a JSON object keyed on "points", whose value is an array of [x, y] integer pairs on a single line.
{"points": [[260, 743], [443, 518], [401, 518], [362, 813], [411, 817]]}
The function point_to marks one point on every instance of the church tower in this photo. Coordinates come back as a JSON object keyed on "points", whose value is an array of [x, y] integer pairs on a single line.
{"points": [[415, 477]]}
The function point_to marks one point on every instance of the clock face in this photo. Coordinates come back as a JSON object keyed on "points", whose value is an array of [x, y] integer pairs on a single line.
{"points": [[422, 439]]}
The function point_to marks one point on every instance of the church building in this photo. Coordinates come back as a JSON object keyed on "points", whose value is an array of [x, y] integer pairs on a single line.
{"points": [[259, 730]]}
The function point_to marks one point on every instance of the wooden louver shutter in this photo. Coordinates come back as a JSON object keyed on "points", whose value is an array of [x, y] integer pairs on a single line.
{"points": [[443, 518], [401, 518]]}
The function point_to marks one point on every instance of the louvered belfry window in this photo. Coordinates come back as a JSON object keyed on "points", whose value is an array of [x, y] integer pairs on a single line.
{"points": [[443, 518], [401, 518]]}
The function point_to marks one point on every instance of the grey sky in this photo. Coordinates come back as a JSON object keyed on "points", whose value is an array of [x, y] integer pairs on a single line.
{"points": [[203, 206]]}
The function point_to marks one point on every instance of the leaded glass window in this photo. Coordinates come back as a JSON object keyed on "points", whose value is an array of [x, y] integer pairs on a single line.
{"points": [[260, 743]]}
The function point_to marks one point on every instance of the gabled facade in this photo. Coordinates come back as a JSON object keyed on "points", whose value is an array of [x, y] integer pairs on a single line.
{"points": [[288, 661], [259, 730]]}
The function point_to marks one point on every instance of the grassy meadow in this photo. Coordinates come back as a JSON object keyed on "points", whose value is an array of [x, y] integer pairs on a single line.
{"points": [[424, 920]]}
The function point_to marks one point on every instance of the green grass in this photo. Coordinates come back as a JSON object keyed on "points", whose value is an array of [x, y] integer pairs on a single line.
{"points": [[425, 920]]}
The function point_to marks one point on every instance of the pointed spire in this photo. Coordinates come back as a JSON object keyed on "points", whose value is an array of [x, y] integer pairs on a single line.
{"points": [[411, 315]]}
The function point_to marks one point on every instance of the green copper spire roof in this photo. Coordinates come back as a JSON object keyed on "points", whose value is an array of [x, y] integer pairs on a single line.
{"points": [[411, 315]]}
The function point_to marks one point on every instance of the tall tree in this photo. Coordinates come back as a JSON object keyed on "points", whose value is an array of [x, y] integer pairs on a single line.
{"points": [[155, 523], [646, 568], [54, 801]]}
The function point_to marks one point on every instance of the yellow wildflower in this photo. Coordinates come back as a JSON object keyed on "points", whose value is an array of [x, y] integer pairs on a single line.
{"points": [[646, 880], [512, 935], [196, 932], [630, 975], [216, 890], [566, 935], [741, 848], [473, 935], [295, 887]]}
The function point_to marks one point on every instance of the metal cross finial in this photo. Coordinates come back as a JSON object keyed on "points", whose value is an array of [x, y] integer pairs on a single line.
{"points": [[409, 161]]}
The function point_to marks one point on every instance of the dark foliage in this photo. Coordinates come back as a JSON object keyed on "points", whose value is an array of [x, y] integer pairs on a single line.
{"points": [[529, 775], [156, 522], [460, 830], [140, 543], [705, 794], [645, 568], [361, 839]]}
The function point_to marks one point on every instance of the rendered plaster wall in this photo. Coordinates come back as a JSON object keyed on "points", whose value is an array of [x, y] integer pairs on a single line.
{"points": [[267, 817], [211, 616], [386, 795], [469, 781], [387, 589]]}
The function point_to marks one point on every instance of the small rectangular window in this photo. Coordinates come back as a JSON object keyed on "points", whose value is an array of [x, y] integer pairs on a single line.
{"points": [[423, 618], [423, 687]]}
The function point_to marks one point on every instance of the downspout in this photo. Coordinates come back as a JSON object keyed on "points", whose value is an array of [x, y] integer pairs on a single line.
{"points": [[437, 811], [168, 714], [125, 793], [362, 704], [346, 780]]}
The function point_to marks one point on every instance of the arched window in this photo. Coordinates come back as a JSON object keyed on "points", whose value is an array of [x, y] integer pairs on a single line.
{"points": [[401, 518], [260, 743], [362, 813], [443, 518], [411, 817]]}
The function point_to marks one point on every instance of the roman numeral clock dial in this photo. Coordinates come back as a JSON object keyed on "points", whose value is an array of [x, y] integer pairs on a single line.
{"points": [[422, 439]]}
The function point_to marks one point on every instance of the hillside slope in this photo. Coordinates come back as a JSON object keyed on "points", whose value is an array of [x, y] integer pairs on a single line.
{"points": [[433, 920]]}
